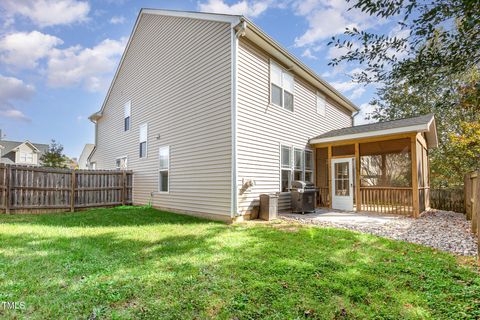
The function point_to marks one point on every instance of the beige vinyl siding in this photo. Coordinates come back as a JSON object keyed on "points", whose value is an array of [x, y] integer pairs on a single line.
{"points": [[177, 75], [262, 127], [25, 148]]}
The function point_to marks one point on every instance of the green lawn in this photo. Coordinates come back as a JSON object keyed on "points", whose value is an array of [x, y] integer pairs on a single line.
{"points": [[128, 263]]}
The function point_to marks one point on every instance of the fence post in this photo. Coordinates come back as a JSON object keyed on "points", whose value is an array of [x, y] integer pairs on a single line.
{"points": [[467, 189], [72, 192], [474, 199], [8, 173], [124, 187], [8, 191]]}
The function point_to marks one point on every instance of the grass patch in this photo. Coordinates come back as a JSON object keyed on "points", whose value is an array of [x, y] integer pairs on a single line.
{"points": [[126, 263]]}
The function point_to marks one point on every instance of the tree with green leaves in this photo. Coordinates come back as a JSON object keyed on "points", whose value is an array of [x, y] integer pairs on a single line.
{"points": [[54, 157], [432, 68]]}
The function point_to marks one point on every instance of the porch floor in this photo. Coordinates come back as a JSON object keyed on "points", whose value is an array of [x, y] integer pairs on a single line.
{"points": [[443, 230]]}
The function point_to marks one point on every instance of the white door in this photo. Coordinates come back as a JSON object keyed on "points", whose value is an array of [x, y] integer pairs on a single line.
{"points": [[342, 184]]}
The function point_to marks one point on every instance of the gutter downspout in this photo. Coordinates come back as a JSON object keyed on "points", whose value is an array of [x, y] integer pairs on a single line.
{"points": [[353, 117], [234, 54]]}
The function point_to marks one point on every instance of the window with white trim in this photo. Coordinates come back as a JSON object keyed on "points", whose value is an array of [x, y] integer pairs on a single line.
{"points": [[26, 157], [164, 168], [121, 163], [298, 164], [308, 165], [301, 168], [126, 119], [321, 104], [281, 87], [143, 140], [286, 168]]}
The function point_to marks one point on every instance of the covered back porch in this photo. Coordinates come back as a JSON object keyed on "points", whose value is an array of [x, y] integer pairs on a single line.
{"points": [[380, 167]]}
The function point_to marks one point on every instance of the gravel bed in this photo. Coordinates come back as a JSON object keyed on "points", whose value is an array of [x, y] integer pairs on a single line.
{"points": [[444, 230]]}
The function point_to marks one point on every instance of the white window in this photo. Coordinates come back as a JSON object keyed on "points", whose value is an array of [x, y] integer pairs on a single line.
{"points": [[282, 87], [93, 165], [321, 104], [298, 165], [308, 165], [26, 157], [121, 163], [126, 119], [143, 140], [286, 168], [164, 167], [301, 168]]}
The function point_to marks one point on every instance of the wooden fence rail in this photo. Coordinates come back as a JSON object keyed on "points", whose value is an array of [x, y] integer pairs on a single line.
{"points": [[450, 199], [472, 202], [37, 189]]}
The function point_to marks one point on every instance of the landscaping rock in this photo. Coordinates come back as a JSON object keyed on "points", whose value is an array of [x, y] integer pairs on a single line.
{"points": [[443, 230]]}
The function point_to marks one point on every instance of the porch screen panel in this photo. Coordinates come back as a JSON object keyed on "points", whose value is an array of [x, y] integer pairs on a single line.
{"points": [[386, 176], [386, 163], [322, 175]]}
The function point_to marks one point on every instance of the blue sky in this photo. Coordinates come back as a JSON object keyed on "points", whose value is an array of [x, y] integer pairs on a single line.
{"points": [[57, 57]]}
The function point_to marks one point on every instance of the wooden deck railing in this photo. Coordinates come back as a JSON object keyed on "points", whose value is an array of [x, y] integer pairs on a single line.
{"points": [[37, 189], [387, 200]]}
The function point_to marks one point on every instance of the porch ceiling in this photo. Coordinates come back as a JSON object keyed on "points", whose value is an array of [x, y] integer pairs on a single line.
{"points": [[424, 124]]}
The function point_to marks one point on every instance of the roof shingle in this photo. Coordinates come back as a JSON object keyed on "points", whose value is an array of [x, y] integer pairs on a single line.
{"points": [[378, 126]]}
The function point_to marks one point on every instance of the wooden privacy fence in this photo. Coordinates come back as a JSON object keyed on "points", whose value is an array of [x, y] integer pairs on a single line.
{"points": [[472, 200], [37, 189], [451, 199]]}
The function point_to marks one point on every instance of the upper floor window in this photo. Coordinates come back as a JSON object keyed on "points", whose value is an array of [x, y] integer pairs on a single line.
{"points": [[127, 111], [143, 140], [164, 167], [321, 104], [282, 86]]}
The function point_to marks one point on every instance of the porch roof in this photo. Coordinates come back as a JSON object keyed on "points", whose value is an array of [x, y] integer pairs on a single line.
{"points": [[425, 124]]}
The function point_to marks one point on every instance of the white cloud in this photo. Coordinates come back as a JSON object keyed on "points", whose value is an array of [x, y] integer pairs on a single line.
{"points": [[117, 20], [248, 8], [13, 89], [334, 52], [357, 93], [88, 67], [46, 13], [327, 18], [14, 114], [23, 50], [307, 53], [344, 86], [365, 110]]}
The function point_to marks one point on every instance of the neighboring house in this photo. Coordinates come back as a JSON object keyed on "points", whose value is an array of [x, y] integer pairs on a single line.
{"points": [[83, 162], [210, 112], [24, 153]]}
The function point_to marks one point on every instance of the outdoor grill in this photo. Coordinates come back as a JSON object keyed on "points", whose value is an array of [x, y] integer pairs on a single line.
{"points": [[303, 196]]}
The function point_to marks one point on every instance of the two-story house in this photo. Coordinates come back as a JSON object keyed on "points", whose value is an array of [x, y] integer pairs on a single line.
{"points": [[24, 153], [210, 112]]}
